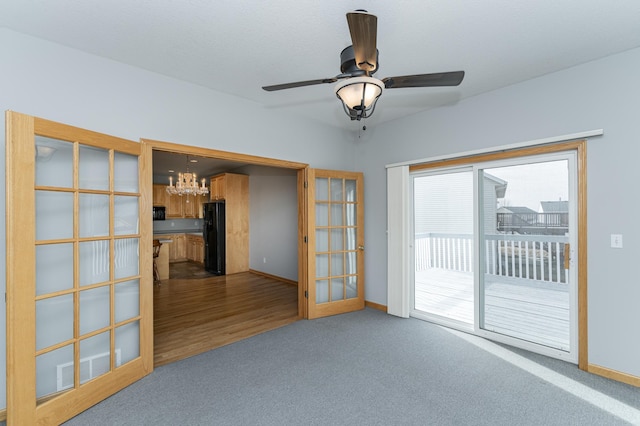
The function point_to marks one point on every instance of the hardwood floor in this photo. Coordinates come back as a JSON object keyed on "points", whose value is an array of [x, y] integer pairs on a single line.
{"points": [[194, 314]]}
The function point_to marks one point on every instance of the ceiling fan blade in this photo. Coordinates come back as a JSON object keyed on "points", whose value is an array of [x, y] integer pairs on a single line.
{"points": [[363, 27], [453, 78], [298, 84]]}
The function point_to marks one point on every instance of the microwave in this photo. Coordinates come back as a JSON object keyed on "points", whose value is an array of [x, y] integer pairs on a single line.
{"points": [[158, 213]]}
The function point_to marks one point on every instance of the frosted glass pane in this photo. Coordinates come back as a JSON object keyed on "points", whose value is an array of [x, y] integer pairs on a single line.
{"points": [[94, 309], [322, 189], [126, 215], [128, 342], [54, 162], [337, 239], [336, 215], [337, 264], [322, 265], [352, 218], [54, 215], [125, 172], [322, 214], [352, 241], [54, 320], [126, 258], [94, 262], [94, 168], [337, 289], [54, 371], [351, 194], [336, 190], [352, 287], [54, 268], [322, 291], [351, 266], [322, 240], [127, 303], [94, 215], [95, 358]]}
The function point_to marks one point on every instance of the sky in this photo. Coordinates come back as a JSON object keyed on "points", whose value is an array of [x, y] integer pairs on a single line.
{"points": [[528, 184]]}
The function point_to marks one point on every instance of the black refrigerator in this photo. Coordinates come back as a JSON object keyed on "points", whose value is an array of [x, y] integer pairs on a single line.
{"points": [[214, 237]]}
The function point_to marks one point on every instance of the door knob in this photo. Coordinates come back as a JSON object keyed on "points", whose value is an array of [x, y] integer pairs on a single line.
{"points": [[361, 247]]}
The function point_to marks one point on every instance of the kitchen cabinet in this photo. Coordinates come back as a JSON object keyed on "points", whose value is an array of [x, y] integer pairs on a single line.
{"points": [[177, 247], [233, 188], [174, 207], [184, 207], [217, 187], [195, 248], [185, 247], [189, 206], [160, 195], [192, 206]]}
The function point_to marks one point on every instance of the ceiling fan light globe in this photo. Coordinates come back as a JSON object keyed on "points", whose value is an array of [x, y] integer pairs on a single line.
{"points": [[359, 93]]}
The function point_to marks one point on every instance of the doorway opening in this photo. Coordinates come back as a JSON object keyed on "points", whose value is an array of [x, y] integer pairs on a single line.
{"points": [[217, 310]]}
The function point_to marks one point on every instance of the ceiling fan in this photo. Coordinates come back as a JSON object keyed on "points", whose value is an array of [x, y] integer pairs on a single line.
{"points": [[357, 89]]}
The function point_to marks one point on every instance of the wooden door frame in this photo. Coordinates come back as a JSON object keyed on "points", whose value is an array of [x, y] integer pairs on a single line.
{"points": [[579, 146], [302, 171]]}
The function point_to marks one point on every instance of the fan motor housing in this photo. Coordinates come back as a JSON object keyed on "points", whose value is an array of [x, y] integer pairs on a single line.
{"points": [[348, 62]]}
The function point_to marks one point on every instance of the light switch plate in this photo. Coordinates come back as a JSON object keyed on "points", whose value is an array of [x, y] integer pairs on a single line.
{"points": [[616, 240]]}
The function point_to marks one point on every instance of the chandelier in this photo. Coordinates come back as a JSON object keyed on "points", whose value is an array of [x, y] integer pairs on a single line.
{"points": [[187, 184]]}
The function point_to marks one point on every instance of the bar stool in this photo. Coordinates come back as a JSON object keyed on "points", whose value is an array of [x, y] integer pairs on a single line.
{"points": [[156, 252]]}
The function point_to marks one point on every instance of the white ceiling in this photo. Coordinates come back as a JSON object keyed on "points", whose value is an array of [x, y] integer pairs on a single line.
{"points": [[236, 46]]}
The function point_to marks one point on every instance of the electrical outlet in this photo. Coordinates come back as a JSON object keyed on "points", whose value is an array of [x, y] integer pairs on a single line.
{"points": [[264, 260], [616, 240], [173, 223]]}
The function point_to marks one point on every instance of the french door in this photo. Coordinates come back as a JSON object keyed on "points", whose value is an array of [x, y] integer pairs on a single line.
{"points": [[496, 247], [335, 212], [79, 318]]}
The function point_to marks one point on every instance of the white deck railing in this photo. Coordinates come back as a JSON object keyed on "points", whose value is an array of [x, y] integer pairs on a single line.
{"points": [[535, 257]]}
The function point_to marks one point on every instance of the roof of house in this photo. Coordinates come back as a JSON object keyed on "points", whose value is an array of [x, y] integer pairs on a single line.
{"points": [[517, 210], [554, 206], [500, 185]]}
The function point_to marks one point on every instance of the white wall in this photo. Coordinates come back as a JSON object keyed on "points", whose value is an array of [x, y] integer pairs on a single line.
{"points": [[50, 81], [273, 222], [601, 94]]}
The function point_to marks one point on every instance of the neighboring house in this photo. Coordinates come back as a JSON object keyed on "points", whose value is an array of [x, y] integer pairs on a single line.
{"points": [[493, 190], [515, 218], [553, 216], [554, 207]]}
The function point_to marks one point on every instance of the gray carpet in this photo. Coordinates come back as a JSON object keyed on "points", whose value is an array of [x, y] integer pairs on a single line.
{"points": [[362, 368]]}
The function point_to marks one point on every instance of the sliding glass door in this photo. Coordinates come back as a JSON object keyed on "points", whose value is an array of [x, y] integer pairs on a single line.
{"points": [[443, 230], [526, 285], [494, 243]]}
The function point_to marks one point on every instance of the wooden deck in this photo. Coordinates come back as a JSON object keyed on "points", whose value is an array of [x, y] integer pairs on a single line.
{"points": [[531, 310]]}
